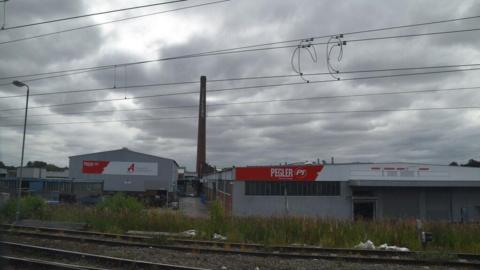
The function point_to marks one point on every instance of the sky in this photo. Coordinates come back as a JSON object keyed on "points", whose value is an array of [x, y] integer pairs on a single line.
{"points": [[263, 132]]}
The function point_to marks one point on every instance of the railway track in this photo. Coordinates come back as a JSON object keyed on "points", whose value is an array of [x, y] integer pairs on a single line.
{"points": [[61, 254], [31, 263], [294, 252]]}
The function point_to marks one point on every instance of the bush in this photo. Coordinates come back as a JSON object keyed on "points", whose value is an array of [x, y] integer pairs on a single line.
{"points": [[119, 203], [117, 214], [217, 221], [30, 207]]}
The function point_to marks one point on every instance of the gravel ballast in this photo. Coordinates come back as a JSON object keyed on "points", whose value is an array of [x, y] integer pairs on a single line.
{"points": [[210, 261]]}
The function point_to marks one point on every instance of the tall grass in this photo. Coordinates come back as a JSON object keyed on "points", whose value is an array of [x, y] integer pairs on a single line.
{"points": [[122, 213], [30, 207]]}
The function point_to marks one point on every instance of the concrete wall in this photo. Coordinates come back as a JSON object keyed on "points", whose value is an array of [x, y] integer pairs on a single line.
{"points": [[32, 172], [321, 206], [60, 174], [469, 200], [438, 204], [165, 180], [441, 204]]}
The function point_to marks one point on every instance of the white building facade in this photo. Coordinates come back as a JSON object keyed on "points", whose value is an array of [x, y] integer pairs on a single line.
{"points": [[351, 191]]}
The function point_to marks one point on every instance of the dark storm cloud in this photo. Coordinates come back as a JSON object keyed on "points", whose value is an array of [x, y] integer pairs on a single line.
{"points": [[433, 137]]}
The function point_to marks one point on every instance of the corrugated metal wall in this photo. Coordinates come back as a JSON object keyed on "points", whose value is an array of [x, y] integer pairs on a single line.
{"points": [[165, 180]]}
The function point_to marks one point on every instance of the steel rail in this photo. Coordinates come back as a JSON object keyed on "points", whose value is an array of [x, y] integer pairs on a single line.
{"points": [[75, 232], [75, 255], [22, 262], [174, 238], [363, 256]]}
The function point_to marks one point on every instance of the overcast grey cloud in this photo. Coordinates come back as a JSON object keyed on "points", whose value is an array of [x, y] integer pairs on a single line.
{"points": [[437, 136]]}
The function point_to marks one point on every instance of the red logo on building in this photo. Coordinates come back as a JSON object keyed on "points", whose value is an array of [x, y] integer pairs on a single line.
{"points": [[301, 173], [278, 173], [94, 166], [131, 168]]}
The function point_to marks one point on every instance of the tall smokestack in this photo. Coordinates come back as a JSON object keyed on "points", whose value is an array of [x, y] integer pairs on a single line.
{"points": [[202, 116]]}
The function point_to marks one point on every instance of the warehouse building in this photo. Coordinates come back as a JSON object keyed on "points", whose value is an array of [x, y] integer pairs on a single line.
{"points": [[188, 182], [31, 172], [350, 191], [50, 185], [127, 171], [54, 189]]}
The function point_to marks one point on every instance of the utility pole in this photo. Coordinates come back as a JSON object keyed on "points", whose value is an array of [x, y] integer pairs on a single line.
{"points": [[202, 116], [19, 194], [285, 196]]}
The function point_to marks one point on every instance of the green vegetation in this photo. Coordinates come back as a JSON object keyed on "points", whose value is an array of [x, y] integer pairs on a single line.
{"points": [[44, 165], [119, 203], [30, 207], [3, 166], [121, 213]]}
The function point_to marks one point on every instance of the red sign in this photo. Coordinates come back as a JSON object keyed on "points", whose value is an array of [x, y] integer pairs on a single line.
{"points": [[278, 173], [119, 167], [94, 166]]}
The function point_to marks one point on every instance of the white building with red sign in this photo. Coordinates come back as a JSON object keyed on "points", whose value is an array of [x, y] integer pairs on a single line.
{"points": [[127, 171], [349, 191]]}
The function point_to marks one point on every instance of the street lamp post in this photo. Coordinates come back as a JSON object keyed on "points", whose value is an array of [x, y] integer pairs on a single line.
{"points": [[19, 194]]}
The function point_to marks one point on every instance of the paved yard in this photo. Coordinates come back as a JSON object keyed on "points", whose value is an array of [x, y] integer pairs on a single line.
{"points": [[193, 207]]}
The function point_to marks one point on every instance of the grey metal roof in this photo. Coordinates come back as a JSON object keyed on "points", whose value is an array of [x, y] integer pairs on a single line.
{"points": [[124, 149]]}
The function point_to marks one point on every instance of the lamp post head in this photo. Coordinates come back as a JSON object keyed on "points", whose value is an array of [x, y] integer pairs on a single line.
{"points": [[19, 84]]}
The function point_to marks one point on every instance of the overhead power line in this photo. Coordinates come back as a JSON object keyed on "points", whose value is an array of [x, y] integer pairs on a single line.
{"points": [[238, 79], [365, 31], [108, 22], [242, 88], [254, 47], [92, 14], [402, 92], [256, 115], [55, 76]]}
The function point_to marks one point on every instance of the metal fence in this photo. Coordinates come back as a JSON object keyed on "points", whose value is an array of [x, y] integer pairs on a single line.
{"points": [[52, 189]]}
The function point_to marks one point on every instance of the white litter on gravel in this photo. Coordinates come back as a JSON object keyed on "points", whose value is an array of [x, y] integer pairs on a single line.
{"points": [[370, 245], [220, 237], [366, 245], [191, 233], [393, 248]]}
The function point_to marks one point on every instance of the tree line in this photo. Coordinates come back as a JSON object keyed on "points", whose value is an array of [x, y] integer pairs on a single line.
{"points": [[36, 164], [471, 163]]}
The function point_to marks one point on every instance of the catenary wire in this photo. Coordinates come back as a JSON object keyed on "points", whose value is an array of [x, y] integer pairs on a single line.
{"points": [[91, 14], [426, 91], [108, 22], [57, 76], [257, 115], [242, 88], [246, 48], [224, 52], [237, 79], [365, 31]]}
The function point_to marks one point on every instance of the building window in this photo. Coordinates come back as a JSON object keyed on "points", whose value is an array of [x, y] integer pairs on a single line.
{"points": [[263, 188]]}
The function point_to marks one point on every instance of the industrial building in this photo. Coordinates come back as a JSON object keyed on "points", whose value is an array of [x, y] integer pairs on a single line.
{"points": [[188, 182], [42, 173], [50, 185], [54, 189], [127, 171], [350, 191]]}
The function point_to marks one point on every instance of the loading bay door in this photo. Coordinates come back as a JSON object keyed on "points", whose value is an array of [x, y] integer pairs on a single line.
{"points": [[364, 209]]}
